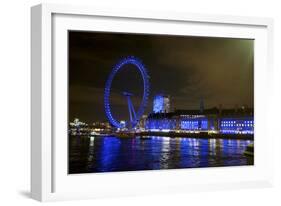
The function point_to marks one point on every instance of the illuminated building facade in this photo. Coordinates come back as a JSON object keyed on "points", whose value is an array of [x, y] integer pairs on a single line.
{"points": [[164, 124], [161, 104], [194, 123], [237, 125], [78, 127], [228, 121]]}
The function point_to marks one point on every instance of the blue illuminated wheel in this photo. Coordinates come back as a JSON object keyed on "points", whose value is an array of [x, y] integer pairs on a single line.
{"points": [[145, 78]]}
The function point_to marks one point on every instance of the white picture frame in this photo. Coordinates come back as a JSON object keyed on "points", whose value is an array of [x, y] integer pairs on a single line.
{"points": [[49, 178]]}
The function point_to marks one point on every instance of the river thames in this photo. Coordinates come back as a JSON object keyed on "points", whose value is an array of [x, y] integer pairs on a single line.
{"points": [[109, 154]]}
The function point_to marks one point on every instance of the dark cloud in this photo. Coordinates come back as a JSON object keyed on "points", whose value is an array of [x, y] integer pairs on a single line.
{"points": [[219, 70]]}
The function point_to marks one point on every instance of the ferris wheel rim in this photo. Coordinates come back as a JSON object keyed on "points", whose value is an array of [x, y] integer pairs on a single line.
{"points": [[145, 78]]}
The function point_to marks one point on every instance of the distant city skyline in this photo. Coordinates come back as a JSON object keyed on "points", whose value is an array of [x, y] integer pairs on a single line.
{"points": [[188, 69]]}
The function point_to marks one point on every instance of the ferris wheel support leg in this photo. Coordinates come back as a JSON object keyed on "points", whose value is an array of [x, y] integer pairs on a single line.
{"points": [[130, 111]]}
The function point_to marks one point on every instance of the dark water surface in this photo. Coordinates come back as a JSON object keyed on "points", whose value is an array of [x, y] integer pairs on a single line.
{"points": [[107, 154]]}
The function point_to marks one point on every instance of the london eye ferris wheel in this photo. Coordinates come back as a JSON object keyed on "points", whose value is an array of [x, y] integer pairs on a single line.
{"points": [[134, 115]]}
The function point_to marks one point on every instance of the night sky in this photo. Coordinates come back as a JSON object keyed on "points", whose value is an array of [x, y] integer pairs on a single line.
{"points": [[217, 70]]}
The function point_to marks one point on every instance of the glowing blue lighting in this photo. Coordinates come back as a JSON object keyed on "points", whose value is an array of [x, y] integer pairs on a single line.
{"points": [[161, 104], [160, 124], [204, 124], [190, 124], [158, 104], [237, 126], [194, 124], [141, 68]]}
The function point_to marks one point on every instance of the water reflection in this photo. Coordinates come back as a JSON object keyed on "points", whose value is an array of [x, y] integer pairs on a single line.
{"points": [[165, 152], [105, 154]]}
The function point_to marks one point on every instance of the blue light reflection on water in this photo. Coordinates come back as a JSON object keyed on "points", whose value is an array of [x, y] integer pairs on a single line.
{"points": [[106, 154]]}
